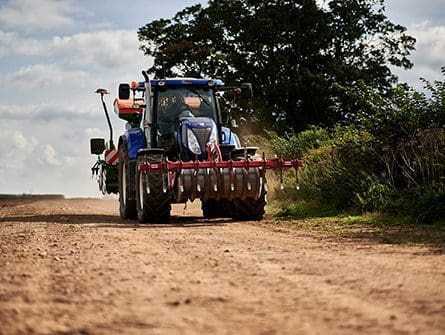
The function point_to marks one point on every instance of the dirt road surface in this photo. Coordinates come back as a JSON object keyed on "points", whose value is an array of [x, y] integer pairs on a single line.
{"points": [[74, 267]]}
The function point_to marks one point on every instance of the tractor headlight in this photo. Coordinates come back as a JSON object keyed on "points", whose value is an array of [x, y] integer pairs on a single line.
{"points": [[193, 142]]}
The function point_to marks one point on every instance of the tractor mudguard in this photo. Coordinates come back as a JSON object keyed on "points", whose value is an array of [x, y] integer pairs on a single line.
{"points": [[134, 140], [229, 137]]}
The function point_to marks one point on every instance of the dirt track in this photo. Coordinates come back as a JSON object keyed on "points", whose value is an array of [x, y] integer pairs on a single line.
{"points": [[74, 267]]}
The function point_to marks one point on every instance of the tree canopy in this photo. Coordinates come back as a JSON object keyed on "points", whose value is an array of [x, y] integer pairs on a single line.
{"points": [[301, 57]]}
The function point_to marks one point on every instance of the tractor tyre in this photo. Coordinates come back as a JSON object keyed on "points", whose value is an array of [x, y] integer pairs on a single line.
{"points": [[217, 208], [127, 196], [154, 201], [250, 208]]}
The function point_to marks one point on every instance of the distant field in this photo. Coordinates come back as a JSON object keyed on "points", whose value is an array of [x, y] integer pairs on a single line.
{"points": [[31, 196]]}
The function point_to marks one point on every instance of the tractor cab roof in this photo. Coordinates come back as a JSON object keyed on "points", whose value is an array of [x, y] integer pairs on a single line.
{"points": [[160, 83]]}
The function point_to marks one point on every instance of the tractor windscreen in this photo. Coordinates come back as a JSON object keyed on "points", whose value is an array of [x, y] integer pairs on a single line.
{"points": [[174, 103]]}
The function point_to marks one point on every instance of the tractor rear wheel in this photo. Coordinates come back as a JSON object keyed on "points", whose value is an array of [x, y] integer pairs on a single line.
{"points": [[127, 201], [250, 208], [152, 195], [217, 208]]}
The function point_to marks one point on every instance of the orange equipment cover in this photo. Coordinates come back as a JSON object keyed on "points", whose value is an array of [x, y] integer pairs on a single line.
{"points": [[193, 103], [126, 106]]}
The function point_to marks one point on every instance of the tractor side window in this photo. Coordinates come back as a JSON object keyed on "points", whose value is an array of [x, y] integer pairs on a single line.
{"points": [[207, 106], [165, 119]]}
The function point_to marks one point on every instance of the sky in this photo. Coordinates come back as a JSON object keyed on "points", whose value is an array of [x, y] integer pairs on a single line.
{"points": [[55, 53]]}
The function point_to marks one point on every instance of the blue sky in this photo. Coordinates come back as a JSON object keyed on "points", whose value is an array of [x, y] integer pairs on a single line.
{"points": [[55, 53]]}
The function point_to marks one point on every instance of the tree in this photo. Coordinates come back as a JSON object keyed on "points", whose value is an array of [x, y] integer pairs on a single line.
{"points": [[301, 57]]}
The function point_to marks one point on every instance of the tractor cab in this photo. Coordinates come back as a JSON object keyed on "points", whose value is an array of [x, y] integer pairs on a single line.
{"points": [[182, 115], [185, 115]]}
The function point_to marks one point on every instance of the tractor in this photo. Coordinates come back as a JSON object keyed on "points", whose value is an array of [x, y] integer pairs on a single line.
{"points": [[177, 148]]}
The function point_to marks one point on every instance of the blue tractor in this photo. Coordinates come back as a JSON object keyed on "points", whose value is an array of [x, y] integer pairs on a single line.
{"points": [[176, 149]]}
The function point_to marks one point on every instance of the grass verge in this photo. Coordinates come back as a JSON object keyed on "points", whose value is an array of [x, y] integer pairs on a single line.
{"points": [[374, 227]]}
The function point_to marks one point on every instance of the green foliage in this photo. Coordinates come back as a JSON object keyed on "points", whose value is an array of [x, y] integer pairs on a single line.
{"points": [[307, 209], [334, 175], [389, 158], [424, 204], [409, 134], [301, 57], [292, 145]]}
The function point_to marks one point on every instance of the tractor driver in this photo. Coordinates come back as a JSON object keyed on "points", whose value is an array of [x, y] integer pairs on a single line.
{"points": [[178, 108], [172, 110]]}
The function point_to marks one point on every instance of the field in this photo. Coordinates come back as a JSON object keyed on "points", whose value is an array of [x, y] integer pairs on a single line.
{"points": [[74, 267]]}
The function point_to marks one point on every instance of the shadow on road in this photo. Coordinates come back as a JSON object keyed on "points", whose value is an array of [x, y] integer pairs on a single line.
{"points": [[114, 221], [405, 236], [393, 235]]}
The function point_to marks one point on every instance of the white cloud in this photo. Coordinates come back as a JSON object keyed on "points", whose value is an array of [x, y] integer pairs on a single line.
{"points": [[39, 159], [49, 155], [41, 15], [428, 58], [407, 12], [430, 43], [12, 43], [109, 49], [53, 55], [46, 76], [15, 149], [94, 132], [19, 141], [49, 112]]}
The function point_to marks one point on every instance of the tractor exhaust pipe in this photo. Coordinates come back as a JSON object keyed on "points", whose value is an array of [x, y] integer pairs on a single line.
{"points": [[149, 120], [102, 92]]}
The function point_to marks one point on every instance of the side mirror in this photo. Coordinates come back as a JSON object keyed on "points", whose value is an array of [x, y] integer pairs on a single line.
{"points": [[246, 91], [97, 146], [124, 91]]}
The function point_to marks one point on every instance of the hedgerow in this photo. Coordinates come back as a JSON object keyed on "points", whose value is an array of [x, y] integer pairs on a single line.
{"points": [[388, 157]]}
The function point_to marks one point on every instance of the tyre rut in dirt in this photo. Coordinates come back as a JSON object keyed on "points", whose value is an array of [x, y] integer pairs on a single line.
{"points": [[127, 200], [154, 201]]}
